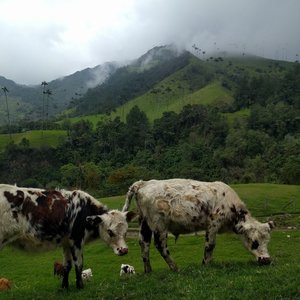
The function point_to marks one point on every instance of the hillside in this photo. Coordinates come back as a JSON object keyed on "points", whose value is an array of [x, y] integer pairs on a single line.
{"points": [[26, 102], [212, 81], [35, 138], [130, 82]]}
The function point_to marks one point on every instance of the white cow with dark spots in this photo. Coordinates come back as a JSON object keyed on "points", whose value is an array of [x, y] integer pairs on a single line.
{"points": [[184, 206], [37, 218]]}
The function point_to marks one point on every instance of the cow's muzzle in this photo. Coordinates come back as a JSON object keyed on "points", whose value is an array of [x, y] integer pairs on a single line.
{"points": [[262, 261], [122, 251]]}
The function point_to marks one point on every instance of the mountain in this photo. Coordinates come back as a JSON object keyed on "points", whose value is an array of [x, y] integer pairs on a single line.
{"points": [[26, 102], [133, 80], [163, 79], [21, 98]]}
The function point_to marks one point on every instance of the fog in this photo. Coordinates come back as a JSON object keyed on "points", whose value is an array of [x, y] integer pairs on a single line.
{"points": [[47, 39]]}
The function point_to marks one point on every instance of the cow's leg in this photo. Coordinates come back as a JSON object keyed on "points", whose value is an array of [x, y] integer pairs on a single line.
{"points": [[145, 241], [67, 267], [210, 241], [160, 240], [78, 262]]}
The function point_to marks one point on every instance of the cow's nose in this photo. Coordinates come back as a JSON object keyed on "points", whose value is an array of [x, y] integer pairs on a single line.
{"points": [[264, 261], [122, 251]]}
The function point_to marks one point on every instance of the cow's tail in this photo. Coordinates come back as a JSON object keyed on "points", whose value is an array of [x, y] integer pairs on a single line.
{"points": [[132, 191]]}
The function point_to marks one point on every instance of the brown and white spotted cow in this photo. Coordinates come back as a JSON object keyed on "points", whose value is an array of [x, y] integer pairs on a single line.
{"points": [[37, 218], [184, 206]]}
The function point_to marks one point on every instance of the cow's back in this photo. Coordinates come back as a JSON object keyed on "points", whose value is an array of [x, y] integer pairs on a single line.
{"points": [[183, 205]]}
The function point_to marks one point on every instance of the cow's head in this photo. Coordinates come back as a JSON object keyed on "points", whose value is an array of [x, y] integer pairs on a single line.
{"points": [[256, 237], [113, 228]]}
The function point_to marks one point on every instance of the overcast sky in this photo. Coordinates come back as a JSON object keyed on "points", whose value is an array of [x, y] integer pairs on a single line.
{"points": [[46, 39]]}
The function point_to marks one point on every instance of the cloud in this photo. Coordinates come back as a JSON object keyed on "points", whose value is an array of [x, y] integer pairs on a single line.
{"points": [[47, 39]]}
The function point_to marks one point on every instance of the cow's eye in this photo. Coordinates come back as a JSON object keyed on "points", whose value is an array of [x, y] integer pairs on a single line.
{"points": [[110, 233]]}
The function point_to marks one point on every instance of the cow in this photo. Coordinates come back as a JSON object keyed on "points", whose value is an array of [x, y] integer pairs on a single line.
{"points": [[38, 218], [184, 206]]}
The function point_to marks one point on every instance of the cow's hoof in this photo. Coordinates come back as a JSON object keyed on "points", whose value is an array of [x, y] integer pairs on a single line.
{"points": [[79, 284], [148, 269], [65, 285], [174, 268]]}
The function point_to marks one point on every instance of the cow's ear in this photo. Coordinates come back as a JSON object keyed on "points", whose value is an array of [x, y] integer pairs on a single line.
{"points": [[130, 215], [271, 224], [94, 220]]}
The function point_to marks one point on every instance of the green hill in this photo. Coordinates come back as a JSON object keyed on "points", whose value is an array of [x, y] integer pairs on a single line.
{"points": [[155, 105], [213, 82], [36, 138]]}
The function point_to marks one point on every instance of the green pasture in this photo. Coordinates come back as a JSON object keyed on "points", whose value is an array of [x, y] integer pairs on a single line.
{"points": [[233, 274], [36, 138]]}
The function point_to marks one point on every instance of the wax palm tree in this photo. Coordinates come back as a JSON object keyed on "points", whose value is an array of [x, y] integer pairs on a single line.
{"points": [[5, 91], [48, 93], [44, 84]]}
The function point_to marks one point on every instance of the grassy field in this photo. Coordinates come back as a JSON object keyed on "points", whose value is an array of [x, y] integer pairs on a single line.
{"points": [[233, 274], [36, 138]]}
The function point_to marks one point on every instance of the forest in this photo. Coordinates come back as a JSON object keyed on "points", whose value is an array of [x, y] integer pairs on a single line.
{"points": [[199, 142]]}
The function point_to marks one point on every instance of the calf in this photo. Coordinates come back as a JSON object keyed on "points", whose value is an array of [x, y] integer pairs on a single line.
{"points": [[184, 206], [31, 218]]}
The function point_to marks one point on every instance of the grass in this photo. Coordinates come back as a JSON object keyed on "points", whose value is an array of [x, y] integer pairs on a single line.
{"points": [[267, 199], [154, 105], [240, 116], [232, 275], [37, 138]]}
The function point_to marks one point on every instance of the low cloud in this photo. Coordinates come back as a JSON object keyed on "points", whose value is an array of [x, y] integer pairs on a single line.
{"points": [[62, 37]]}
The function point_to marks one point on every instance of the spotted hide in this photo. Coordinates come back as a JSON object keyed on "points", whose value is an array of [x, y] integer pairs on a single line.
{"points": [[184, 206], [37, 218]]}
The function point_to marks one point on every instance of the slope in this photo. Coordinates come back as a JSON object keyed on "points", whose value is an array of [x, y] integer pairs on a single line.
{"points": [[132, 81]]}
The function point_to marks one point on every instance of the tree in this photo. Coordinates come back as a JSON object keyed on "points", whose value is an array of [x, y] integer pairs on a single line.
{"points": [[137, 129], [48, 93], [70, 176], [44, 84], [5, 91]]}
